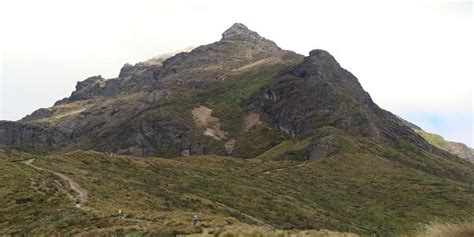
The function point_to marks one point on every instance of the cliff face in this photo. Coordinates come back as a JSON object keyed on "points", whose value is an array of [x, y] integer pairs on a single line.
{"points": [[32, 137], [239, 96]]}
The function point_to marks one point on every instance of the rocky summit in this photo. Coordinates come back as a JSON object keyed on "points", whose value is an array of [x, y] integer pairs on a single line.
{"points": [[252, 135]]}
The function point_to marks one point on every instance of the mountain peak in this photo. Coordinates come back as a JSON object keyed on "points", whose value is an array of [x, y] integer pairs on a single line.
{"points": [[238, 26], [239, 31]]}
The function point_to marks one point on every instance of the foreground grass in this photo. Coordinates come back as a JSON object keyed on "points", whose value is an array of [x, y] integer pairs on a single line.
{"points": [[433, 229], [252, 231], [444, 229], [36, 203], [356, 193]]}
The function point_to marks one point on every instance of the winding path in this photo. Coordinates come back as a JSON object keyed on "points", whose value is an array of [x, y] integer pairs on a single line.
{"points": [[284, 169], [82, 193]]}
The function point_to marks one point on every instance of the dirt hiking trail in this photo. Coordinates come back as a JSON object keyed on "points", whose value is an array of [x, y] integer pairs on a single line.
{"points": [[82, 193]]}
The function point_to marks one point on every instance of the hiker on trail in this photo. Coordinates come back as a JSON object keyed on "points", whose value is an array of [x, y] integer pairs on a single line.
{"points": [[195, 220], [121, 214], [78, 202]]}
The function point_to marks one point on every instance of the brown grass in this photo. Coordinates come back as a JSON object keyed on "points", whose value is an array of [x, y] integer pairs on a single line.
{"points": [[253, 231], [444, 229], [440, 229]]}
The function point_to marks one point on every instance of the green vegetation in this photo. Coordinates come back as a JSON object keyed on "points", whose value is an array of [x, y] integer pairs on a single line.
{"points": [[286, 147], [32, 202], [233, 90], [433, 139], [351, 192], [455, 148]]}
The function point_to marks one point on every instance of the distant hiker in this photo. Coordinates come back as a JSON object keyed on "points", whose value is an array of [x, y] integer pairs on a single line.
{"points": [[195, 220], [78, 202], [121, 214]]}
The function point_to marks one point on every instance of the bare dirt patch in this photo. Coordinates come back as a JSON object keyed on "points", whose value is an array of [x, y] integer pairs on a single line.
{"points": [[250, 66], [252, 120], [203, 118]]}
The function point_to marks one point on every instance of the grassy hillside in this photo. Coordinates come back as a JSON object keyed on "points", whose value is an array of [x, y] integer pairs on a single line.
{"points": [[454, 148], [349, 192]]}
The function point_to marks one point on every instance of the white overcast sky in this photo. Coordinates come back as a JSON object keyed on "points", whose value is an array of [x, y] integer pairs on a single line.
{"points": [[414, 57]]}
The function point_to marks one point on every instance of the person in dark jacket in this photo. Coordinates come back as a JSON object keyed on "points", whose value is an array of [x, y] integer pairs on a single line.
{"points": [[195, 220], [78, 202]]}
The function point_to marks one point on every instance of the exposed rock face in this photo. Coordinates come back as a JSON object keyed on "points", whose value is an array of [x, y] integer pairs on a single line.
{"points": [[32, 137], [259, 95], [89, 88], [323, 148]]}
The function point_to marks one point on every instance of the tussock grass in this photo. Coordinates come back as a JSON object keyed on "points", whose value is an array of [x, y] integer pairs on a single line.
{"points": [[446, 229], [248, 231], [282, 148]]}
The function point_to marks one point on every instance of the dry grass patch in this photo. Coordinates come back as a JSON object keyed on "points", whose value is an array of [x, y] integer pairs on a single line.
{"points": [[443, 229], [253, 231]]}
